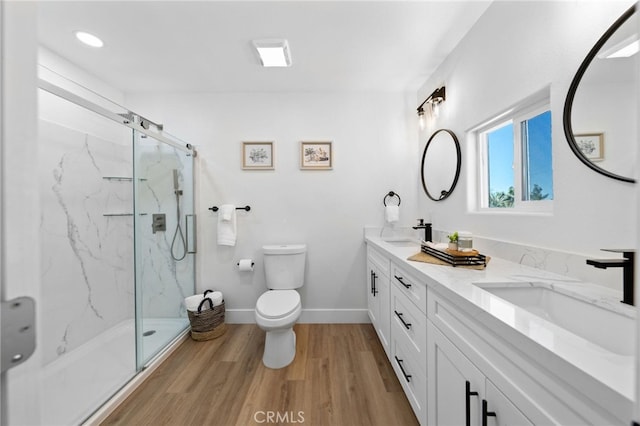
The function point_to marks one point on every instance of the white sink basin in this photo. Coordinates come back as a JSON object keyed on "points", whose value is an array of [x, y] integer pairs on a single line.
{"points": [[402, 243], [604, 327]]}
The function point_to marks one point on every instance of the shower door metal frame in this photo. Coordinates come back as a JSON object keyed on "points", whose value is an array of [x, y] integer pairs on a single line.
{"points": [[132, 124]]}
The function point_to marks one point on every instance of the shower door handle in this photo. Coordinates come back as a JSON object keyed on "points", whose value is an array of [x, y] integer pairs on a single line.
{"points": [[18, 331], [191, 242]]}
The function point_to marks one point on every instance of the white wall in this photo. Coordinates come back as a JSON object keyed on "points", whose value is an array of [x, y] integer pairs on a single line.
{"points": [[515, 50], [373, 153]]}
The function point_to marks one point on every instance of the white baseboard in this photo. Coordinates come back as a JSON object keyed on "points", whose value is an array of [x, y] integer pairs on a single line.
{"points": [[308, 316]]}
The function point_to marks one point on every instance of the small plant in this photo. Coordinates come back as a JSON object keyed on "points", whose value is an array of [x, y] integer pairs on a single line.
{"points": [[453, 238]]}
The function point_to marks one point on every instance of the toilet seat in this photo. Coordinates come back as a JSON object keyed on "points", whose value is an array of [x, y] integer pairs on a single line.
{"points": [[277, 303]]}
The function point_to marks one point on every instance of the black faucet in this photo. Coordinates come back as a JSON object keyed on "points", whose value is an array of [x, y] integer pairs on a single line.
{"points": [[426, 227], [626, 264]]}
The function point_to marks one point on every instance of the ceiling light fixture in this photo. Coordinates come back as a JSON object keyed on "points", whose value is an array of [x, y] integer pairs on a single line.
{"points": [[434, 100], [89, 39], [273, 52]]}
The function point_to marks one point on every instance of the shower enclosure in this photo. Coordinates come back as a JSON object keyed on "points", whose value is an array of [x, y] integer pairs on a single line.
{"points": [[117, 253]]}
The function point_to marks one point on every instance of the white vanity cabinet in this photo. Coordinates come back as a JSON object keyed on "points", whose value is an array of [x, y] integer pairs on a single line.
{"points": [[460, 394], [459, 364], [515, 388], [378, 294], [409, 338]]}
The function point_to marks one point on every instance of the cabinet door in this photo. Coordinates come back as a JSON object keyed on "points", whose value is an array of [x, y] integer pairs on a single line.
{"points": [[506, 414], [378, 303], [373, 305], [455, 385], [383, 327]]}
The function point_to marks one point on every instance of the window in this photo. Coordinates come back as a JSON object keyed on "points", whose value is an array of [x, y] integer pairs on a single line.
{"points": [[515, 161]]}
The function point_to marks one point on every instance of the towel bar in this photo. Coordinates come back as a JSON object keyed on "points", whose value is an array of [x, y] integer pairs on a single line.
{"points": [[215, 208]]}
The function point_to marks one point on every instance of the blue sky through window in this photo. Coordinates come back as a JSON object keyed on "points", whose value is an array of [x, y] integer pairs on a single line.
{"points": [[537, 167], [500, 161], [539, 150]]}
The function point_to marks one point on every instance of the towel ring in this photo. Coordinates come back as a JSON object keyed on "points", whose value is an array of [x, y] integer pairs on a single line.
{"points": [[391, 194]]}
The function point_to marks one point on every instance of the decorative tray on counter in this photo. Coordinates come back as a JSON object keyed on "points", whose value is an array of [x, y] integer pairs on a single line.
{"points": [[456, 258]]}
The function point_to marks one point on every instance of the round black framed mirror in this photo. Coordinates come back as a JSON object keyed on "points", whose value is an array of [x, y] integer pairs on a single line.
{"points": [[600, 111], [441, 162]]}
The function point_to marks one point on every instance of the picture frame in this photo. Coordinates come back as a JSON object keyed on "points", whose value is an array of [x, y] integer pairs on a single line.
{"points": [[316, 155], [258, 156], [591, 145]]}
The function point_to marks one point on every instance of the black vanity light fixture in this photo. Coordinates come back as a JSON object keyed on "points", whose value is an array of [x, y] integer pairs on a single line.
{"points": [[433, 100]]}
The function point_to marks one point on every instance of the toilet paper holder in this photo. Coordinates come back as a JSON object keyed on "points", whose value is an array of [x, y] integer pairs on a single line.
{"points": [[245, 265]]}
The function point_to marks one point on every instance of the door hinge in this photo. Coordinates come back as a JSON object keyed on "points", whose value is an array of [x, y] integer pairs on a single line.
{"points": [[18, 331]]}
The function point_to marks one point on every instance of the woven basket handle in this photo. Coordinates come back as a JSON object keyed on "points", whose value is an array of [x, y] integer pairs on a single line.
{"points": [[206, 292], [202, 303]]}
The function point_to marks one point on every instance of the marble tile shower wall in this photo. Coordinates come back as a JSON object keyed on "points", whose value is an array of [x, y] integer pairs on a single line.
{"points": [[87, 255], [165, 282], [87, 228]]}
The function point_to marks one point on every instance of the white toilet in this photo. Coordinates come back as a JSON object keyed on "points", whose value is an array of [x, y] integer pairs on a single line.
{"points": [[278, 309]]}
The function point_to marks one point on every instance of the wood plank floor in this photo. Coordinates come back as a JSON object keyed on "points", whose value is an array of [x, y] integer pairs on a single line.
{"points": [[340, 376]]}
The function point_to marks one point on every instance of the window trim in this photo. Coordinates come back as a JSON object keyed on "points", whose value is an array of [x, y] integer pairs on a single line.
{"points": [[515, 116]]}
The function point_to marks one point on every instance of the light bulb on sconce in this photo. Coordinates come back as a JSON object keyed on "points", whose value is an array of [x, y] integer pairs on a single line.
{"points": [[434, 100], [435, 109]]}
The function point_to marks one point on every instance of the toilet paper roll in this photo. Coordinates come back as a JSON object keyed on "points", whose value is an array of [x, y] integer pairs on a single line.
{"points": [[245, 265]]}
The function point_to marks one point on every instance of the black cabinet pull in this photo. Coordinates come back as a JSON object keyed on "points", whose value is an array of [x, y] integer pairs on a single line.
{"points": [[407, 325], [468, 394], [374, 290], [400, 279], [407, 377], [371, 282], [486, 413]]}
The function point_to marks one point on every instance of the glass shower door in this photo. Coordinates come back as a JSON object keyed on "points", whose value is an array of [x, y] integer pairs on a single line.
{"points": [[164, 242]]}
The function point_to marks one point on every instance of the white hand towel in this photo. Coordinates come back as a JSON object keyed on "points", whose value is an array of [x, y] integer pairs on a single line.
{"points": [[216, 297], [227, 225], [392, 213], [192, 302]]}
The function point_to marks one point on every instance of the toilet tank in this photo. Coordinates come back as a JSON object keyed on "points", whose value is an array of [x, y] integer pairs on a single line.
{"points": [[284, 266]]}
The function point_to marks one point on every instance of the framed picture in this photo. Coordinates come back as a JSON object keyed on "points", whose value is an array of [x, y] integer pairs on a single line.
{"points": [[316, 156], [591, 145], [257, 156]]}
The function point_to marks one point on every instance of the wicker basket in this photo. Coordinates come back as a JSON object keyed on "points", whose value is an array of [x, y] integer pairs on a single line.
{"points": [[207, 324]]}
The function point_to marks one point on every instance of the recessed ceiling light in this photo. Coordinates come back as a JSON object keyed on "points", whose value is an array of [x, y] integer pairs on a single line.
{"points": [[89, 39], [273, 52]]}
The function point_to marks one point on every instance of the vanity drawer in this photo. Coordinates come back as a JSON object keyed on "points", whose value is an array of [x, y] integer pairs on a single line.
{"points": [[379, 260], [415, 290], [410, 324], [412, 378]]}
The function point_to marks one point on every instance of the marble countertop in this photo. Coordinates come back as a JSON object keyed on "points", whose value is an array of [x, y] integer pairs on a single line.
{"points": [[541, 339]]}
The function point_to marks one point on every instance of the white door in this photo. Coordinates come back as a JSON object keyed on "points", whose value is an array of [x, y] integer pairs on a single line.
{"points": [[19, 206]]}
